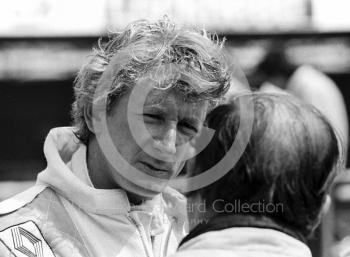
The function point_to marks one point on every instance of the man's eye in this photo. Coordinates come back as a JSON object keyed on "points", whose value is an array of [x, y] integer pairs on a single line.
{"points": [[188, 129], [154, 117]]}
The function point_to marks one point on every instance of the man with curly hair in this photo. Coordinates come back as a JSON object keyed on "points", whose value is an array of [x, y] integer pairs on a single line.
{"points": [[140, 101]]}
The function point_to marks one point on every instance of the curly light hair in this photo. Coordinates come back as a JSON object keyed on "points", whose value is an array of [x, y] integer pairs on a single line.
{"points": [[150, 45]]}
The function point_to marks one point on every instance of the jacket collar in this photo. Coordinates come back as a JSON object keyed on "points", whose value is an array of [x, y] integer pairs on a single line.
{"points": [[67, 174], [225, 221], [65, 155]]}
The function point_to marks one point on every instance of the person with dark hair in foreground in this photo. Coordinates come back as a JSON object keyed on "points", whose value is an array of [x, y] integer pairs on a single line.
{"points": [[272, 199]]}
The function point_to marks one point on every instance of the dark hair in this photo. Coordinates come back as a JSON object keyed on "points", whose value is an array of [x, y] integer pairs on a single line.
{"points": [[290, 158], [276, 63], [275, 68]]}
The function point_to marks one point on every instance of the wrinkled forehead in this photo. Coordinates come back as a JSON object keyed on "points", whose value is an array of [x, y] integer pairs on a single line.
{"points": [[174, 101]]}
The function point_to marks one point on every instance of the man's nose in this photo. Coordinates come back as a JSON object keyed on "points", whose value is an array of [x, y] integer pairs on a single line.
{"points": [[165, 144]]}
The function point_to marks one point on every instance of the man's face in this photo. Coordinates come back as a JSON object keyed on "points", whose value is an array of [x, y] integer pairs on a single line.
{"points": [[170, 120]]}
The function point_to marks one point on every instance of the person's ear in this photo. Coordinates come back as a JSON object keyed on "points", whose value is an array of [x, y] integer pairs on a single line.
{"points": [[92, 121]]}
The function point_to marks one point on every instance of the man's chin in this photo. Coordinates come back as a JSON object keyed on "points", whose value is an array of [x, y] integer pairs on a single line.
{"points": [[143, 193]]}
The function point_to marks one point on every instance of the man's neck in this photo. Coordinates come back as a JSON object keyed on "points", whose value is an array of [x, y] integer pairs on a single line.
{"points": [[99, 175], [135, 199], [96, 165]]}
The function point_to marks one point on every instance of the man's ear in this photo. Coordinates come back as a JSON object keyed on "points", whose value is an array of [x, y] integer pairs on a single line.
{"points": [[92, 122]]}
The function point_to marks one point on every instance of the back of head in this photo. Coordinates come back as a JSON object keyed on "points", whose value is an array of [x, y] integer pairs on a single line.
{"points": [[289, 161]]}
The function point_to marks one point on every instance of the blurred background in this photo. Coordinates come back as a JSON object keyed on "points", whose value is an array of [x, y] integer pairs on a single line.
{"points": [[44, 42]]}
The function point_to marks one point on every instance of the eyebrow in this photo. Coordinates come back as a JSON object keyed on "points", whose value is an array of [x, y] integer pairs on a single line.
{"points": [[192, 120], [161, 110], [155, 108]]}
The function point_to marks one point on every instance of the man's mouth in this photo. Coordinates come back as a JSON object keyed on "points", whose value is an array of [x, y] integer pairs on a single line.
{"points": [[155, 170]]}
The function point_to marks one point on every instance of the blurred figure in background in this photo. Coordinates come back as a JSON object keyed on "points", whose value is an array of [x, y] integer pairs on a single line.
{"points": [[276, 72], [272, 200], [274, 69], [314, 87]]}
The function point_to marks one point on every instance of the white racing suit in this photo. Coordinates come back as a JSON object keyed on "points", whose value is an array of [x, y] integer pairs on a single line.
{"points": [[64, 215]]}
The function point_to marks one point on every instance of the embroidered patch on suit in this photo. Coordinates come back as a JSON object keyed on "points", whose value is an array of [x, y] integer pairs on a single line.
{"points": [[25, 240]]}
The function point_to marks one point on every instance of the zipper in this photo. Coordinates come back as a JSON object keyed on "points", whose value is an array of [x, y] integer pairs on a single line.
{"points": [[166, 243], [140, 230]]}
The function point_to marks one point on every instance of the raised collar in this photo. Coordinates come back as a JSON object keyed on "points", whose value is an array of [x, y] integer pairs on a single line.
{"points": [[225, 221], [65, 155], [67, 174]]}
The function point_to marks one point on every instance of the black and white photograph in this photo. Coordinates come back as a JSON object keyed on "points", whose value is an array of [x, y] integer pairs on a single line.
{"points": [[174, 128]]}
